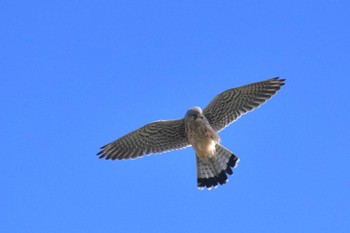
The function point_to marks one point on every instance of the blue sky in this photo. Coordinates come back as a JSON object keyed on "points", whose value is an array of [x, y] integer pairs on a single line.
{"points": [[76, 75]]}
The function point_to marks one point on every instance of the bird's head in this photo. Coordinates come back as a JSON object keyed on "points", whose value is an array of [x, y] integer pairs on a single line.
{"points": [[194, 113]]}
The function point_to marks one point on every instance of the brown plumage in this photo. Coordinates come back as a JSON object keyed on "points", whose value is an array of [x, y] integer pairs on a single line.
{"points": [[199, 129]]}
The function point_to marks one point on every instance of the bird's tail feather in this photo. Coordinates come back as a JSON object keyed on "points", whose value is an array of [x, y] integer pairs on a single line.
{"points": [[214, 171]]}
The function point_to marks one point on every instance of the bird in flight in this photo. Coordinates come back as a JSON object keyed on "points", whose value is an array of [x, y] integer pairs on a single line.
{"points": [[198, 128]]}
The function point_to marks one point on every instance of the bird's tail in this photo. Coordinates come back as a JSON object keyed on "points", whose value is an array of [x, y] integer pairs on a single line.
{"points": [[214, 171]]}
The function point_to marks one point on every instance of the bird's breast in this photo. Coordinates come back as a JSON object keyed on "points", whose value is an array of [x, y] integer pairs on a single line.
{"points": [[203, 139]]}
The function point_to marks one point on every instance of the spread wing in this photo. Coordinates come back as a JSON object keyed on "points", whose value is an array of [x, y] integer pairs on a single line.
{"points": [[229, 105], [156, 137]]}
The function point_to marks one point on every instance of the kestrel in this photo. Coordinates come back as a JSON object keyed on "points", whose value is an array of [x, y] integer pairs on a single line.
{"points": [[199, 129]]}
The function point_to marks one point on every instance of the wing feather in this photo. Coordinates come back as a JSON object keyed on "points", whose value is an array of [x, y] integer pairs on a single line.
{"points": [[156, 137], [229, 105]]}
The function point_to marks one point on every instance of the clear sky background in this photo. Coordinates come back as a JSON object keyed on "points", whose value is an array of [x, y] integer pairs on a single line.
{"points": [[75, 75]]}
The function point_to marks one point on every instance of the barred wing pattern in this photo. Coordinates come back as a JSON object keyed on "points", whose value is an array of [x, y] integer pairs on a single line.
{"points": [[156, 137], [229, 105]]}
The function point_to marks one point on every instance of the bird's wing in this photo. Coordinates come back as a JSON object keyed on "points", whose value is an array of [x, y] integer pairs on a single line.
{"points": [[156, 137], [229, 105]]}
